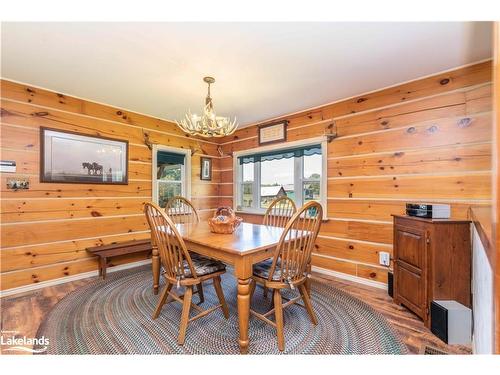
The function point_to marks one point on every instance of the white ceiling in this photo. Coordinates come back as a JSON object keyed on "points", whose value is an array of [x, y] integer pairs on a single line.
{"points": [[262, 69]]}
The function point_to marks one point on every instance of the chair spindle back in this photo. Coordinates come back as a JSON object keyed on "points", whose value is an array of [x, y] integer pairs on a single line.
{"points": [[181, 211], [296, 243], [171, 246], [279, 212]]}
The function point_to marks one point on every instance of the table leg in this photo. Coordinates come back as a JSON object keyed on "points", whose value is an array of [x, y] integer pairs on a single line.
{"points": [[243, 312], [155, 261]]}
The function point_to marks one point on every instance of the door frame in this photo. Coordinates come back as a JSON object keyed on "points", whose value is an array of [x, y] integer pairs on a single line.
{"points": [[496, 182]]}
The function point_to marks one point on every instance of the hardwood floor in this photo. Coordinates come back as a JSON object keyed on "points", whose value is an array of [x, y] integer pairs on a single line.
{"points": [[409, 327], [24, 312]]}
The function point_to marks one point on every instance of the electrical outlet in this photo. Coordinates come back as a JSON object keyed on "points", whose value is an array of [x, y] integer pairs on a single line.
{"points": [[384, 258]]}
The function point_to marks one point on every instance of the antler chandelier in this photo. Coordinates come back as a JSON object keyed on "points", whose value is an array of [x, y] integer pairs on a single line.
{"points": [[208, 124]]}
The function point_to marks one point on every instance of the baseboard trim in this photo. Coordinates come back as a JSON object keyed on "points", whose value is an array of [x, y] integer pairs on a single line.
{"points": [[356, 279], [67, 279]]}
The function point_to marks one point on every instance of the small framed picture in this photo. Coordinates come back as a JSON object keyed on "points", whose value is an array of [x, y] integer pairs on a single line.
{"points": [[69, 157], [272, 133], [206, 169]]}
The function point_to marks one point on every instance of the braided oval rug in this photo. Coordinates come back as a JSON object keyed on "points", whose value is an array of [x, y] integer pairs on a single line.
{"points": [[113, 316]]}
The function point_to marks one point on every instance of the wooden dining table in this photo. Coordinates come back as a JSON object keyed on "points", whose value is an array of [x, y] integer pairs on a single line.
{"points": [[247, 245]]}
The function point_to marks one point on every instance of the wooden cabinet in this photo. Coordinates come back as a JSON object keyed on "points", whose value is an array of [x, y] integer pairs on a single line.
{"points": [[432, 261]]}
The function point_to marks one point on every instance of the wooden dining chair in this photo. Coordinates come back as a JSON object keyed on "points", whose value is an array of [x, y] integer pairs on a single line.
{"points": [[288, 268], [181, 210], [181, 269], [277, 215], [279, 212]]}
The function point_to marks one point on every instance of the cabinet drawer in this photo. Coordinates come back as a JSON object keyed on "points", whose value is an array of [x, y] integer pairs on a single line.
{"points": [[410, 245]]}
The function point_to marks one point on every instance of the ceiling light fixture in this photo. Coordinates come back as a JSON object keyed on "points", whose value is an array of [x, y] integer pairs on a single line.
{"points": [[208, 124]]}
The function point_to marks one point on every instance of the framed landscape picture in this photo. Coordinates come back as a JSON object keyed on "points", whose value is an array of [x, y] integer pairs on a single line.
{"points": [[68, 157], [206, 169]]}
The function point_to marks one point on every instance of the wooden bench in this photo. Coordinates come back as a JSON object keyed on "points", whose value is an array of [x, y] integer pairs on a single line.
{"points": [[120, 248]]}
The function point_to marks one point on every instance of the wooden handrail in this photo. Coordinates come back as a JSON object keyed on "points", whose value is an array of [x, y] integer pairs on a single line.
{"points": [[482, 218]]}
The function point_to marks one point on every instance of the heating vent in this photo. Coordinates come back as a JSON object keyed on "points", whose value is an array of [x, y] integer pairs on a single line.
{"points": [[431, 350]]}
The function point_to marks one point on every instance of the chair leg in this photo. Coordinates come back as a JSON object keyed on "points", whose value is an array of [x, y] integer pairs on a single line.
{"points": [[220, 295], [163, 299], [278, 313], [253, 285], [308, 279], [264, 291], [201, 296], [186, 306], [307, 303]]}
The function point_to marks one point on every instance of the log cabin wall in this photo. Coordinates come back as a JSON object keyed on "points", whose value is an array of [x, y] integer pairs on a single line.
{"points": [[45, 230], [424, 140], [428, 139]]}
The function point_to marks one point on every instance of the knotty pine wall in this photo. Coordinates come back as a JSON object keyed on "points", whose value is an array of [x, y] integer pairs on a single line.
{"points": [[410, 142], [45, 230], [394, 145]]}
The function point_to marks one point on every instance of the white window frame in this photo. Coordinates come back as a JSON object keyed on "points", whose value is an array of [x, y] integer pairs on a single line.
{"points": [[298, 172], [185, 171]]}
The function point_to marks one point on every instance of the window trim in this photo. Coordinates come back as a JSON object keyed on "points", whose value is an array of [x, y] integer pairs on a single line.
{"points": [[237, 171], [186, 170]]}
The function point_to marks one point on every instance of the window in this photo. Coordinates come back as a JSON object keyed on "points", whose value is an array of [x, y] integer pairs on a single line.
{"points": [[169, 174], [266, 173]]}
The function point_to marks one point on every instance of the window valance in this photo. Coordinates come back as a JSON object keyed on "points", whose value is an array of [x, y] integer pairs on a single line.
{"points": [[281, 154], [164, 157]]}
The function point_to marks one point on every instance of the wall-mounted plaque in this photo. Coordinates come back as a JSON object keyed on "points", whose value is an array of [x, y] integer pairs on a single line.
{"points": [[68, 157], [272, 133]]}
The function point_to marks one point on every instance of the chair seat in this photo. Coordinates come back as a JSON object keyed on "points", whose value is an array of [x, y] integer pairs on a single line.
{"points": [[202, 265], [263, 268]]}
